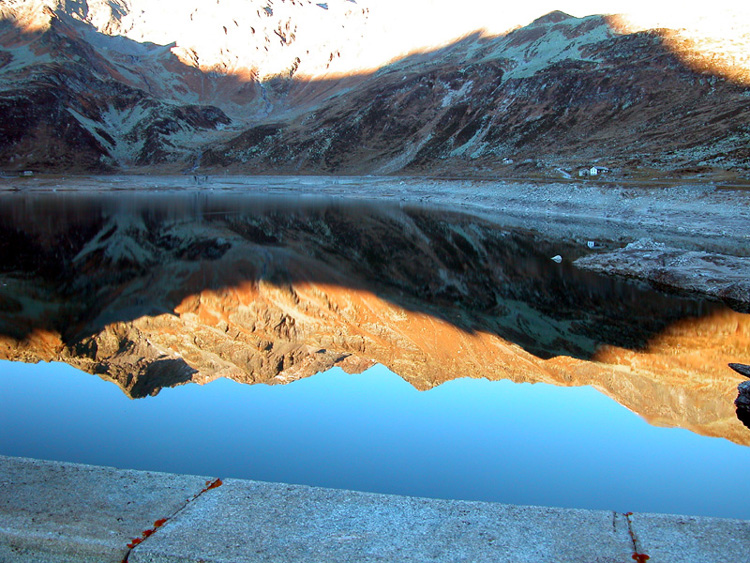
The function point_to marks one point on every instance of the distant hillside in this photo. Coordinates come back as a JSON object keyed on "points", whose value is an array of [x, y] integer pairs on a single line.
{"points": [[262, 86]]}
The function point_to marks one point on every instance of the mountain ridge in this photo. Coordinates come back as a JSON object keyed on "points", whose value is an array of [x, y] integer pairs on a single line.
{"points": [[548, 98]]}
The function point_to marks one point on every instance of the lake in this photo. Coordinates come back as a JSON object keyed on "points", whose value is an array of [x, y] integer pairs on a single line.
{"points": [[380, 347]]}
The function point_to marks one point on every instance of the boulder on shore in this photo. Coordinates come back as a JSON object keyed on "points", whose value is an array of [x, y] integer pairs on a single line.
{"points": [[743, 403]]}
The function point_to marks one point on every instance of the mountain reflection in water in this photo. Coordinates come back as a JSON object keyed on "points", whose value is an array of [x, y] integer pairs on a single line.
{"points": [[155, 290], [467, 439]]}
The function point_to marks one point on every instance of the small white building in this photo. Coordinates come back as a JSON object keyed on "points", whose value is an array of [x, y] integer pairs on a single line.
{"points": [[592, 171]]}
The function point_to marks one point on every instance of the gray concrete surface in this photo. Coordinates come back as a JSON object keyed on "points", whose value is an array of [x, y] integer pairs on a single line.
{"points": [[62, 512], [51, 512], [250, 521], [687, 539]]}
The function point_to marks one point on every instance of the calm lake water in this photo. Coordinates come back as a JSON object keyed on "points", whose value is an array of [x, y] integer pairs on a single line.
{"points": [[466, 439], [509, 377]]}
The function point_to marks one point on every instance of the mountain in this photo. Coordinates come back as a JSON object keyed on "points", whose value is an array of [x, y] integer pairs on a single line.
{"points": [[154, 292], [295, 86]]}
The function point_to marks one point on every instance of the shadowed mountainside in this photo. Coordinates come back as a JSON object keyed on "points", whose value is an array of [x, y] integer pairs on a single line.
{"points": [[151, 295], [72, 105], [560, 93]]}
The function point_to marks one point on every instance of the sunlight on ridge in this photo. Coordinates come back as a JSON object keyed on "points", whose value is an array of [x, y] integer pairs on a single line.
{"points": [[262, 39]]}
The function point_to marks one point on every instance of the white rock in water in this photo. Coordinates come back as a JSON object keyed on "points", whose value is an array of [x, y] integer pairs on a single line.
{"points": [[557, 258]]}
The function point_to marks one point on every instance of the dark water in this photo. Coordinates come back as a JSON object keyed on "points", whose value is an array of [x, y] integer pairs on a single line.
{"points": [[113, 258], [152, 292]]}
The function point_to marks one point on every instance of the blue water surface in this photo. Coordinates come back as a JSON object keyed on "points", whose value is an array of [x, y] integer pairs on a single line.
{"points": [[466, 439]]}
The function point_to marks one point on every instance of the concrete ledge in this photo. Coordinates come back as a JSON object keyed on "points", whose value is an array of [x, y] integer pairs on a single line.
{"points": [[249, 522], [688, 539], [52, 512]]}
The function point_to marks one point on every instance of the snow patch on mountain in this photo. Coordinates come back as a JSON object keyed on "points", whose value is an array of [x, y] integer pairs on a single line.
{"points": [[538, 46], [267, 37], [453, 95]]}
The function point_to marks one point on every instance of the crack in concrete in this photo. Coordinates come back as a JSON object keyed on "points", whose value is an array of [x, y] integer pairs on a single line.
{"points": [[159, 523], [637, 555]]}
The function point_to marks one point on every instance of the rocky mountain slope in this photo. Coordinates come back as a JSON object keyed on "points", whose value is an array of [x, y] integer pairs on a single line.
{"points": [[78, 93], [274, 86], [150, 295], [561, 92]]}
